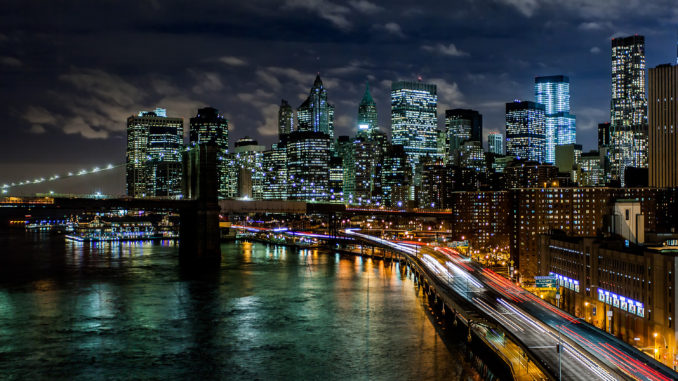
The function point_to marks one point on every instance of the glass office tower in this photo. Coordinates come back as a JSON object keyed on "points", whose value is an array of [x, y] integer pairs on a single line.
{"points": [[560, 127]]}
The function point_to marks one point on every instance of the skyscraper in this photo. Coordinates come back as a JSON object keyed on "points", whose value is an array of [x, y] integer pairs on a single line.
{"points": [[248, 160], [628, 109], [603, 135], [308, 156], [210, 126], [285, 119], [560, 128], [275, 173], [414, 119], [462, 125], [367, 115], [154, 149], [525, 130], [495, 143], [363, 159], [663, 126], [396, 176], [316, 114]]}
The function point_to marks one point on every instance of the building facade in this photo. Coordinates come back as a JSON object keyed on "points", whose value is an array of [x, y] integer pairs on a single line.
{"points": [[368, 123], [316, 114], [285, 119], [275, 173], [414, 119], [628, 110], [308, 157], [663, 126], [627, 290], [560, 126], [154, 154], [525, 130], [495, 143], [462, 125], [247, 172], [210, 126]]}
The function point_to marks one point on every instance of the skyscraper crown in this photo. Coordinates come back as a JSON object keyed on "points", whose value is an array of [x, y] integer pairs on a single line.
{"points": [[367, 97]]}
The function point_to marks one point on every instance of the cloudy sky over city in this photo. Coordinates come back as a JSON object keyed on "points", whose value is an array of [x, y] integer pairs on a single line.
{"points": [[72, 72]]}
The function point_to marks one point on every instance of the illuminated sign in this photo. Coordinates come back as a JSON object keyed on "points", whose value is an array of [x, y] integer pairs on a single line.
{"points": [[621, 302], [363, 126], [566, 282]]}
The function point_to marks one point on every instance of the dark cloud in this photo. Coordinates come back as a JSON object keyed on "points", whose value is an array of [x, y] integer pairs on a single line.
{"points": [[73, 71]]}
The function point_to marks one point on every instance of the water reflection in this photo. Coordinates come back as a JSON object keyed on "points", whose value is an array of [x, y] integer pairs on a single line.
{"points": [[80, 311]]}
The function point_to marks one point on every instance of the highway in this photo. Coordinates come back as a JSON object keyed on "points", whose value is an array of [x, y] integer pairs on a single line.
{"points": [[587, 353]]}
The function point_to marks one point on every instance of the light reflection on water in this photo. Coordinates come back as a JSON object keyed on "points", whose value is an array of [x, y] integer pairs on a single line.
{"points": [[81, 311]]}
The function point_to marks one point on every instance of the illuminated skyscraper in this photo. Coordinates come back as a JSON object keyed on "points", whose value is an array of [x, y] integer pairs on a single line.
{"points": [[495, 143], [525, 135], [560, 128], [154, 149], [275, 173], [308, 156], [628, 111], [248, 160], [210, 126], [285, 119], [396, 177], [462, 125], [316, 114], [414, 119], [367, 115], [363, 159]]}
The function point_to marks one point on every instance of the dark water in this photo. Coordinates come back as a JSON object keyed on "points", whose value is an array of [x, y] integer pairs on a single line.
{"points": [[124, 311]]}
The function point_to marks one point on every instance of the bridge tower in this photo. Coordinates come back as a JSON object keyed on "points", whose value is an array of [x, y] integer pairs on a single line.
{"points": [[199, 230]]}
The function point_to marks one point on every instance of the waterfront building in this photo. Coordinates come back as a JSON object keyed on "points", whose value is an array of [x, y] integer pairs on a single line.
{"points": [[461, 125], [663, 126], [248, 162], [495, 143], [628, 111], [275, 173], [368, 122], [153, 158], [414, 119], [525, 130], [316, 114], [210, 126], [285, 119], [560, 127], [308, 156]]}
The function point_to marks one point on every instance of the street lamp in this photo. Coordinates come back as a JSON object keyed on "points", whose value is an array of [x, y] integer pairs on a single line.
{"points": [[656, 350]]}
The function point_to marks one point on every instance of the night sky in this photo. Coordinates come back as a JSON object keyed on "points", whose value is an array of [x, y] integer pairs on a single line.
{"points": [[71, 72]]}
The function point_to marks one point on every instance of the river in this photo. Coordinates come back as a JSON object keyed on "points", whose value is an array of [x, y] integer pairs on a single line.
{"points": [[85, 311]]}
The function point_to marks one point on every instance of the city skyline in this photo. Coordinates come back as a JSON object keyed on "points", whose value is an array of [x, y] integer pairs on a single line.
{"points": [[91, 91]]}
